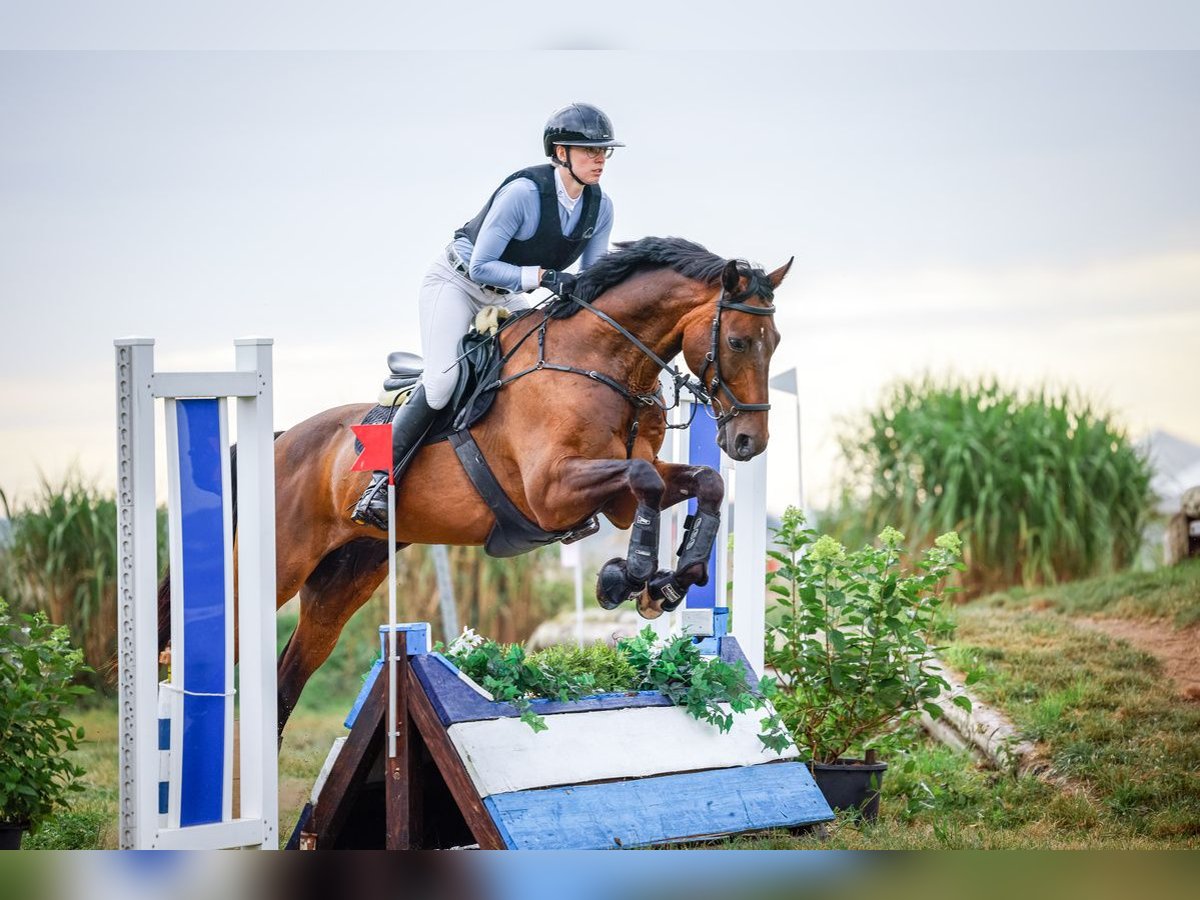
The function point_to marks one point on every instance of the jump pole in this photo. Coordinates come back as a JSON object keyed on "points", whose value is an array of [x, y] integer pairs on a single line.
{"points": [[176, 773]]}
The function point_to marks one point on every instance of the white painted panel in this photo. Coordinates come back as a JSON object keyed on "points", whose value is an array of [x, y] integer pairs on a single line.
{"points": [[205, 384], [217, 836], [506, 755]]}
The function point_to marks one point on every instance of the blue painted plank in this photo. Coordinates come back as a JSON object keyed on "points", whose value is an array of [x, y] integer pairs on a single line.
{"points": [[663, 809], [454, 702], [202, 530], [368, 683]]}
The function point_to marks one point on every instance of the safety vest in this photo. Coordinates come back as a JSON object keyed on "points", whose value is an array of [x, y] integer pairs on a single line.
{"points": [[548, 248]]}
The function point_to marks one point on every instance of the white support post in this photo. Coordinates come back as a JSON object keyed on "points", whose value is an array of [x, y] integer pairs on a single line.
{"points": [[137, 388], [748, 609], [256, 589], [137, 574]]}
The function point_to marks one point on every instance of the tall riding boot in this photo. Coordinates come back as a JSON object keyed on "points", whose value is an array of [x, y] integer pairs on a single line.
{"points": [[409, 426]]}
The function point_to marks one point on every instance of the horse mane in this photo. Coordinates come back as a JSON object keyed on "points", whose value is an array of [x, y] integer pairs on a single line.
{"points": [[630, 258]]}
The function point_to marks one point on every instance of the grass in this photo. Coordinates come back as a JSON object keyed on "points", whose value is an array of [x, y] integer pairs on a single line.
{"points": [[1171, 593], [1119, 750]]}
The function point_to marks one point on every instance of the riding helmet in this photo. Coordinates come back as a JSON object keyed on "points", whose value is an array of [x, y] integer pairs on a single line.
{"points": [[578, 125]]}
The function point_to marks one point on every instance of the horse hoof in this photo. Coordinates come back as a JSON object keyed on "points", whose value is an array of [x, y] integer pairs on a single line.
{"points": [[665, 591], [614, 586], [648, 607]]}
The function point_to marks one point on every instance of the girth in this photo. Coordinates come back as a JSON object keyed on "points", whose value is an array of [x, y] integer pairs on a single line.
{"points": [[513, 533]]}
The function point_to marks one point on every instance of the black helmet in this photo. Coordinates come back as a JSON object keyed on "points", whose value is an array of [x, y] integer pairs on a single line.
{"points": [[578, 125]]}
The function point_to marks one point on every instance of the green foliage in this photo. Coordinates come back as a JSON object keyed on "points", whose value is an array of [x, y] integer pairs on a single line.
{"points": [[851, 635], [37, 667], [62, 559], [1047, 486], [610, 670], [504, 671], [703, 685], [709, 689]]}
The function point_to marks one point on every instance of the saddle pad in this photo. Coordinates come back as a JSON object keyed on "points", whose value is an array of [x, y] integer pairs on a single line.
{"points": [[478, 372]]}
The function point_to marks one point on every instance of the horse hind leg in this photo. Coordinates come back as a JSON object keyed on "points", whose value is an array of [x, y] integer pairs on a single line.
{"points": [[341, 583]]}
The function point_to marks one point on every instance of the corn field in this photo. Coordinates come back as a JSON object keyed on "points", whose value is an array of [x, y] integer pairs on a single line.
{"points": [[1043, 486], [61, 558]]}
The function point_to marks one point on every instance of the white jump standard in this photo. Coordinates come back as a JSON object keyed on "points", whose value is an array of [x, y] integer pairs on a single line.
{"points": [[190, 806]]}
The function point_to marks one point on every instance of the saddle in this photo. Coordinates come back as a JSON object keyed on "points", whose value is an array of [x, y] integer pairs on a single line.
{"points": [[480, 362]]}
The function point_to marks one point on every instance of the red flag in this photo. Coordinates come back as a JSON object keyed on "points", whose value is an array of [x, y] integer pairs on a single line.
{"points": [[377, 449]]}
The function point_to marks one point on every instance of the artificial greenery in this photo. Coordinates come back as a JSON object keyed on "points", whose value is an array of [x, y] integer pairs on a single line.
{"points": [[37, 669], [1047, 487], [850, 638], [710, 690]]}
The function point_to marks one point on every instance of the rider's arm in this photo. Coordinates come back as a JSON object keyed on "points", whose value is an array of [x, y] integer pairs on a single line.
{"points": [[598, 245], [514, 214]]}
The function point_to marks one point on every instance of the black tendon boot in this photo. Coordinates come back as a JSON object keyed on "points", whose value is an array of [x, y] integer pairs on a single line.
{"points": [[411, 422]]}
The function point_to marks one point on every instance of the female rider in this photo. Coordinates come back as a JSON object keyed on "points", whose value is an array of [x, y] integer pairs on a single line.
{"points": [[536, 224]]}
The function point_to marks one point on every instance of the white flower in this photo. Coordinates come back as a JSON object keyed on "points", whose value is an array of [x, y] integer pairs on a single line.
{"points": [[465, 643]]}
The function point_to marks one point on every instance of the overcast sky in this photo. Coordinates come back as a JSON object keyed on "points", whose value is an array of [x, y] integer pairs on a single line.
{"points": [[1034, 215]]}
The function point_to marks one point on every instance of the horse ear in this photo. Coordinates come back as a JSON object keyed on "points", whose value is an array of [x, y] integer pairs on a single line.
{"points": [[779, 274], [731, 278]]}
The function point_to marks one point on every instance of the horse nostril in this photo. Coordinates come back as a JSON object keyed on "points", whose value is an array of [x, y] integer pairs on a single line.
{"points": [[745, 446]]}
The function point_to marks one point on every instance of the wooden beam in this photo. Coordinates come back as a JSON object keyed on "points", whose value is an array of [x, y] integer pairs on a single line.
{"points": [[478, 819], [350, 769], [402, 780]]}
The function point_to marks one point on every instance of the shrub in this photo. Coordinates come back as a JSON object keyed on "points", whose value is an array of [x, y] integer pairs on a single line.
{"points": [[1046, 487], [851, 639], [37, 666]]}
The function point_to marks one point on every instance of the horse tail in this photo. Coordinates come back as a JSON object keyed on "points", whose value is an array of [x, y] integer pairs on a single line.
{"points": [[164, 586]]}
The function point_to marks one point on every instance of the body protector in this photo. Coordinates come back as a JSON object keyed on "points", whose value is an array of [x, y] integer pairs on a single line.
{"points": [[548, 248]]}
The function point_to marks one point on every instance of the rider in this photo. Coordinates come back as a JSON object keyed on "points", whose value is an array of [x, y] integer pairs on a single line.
{"points": [[515, 244]]}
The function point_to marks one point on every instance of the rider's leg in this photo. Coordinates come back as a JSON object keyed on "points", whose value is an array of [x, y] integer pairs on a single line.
{"points": [[447, 308]]}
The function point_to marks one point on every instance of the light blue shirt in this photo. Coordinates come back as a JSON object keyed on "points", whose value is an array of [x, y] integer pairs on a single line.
{"points": [[515, 214]]}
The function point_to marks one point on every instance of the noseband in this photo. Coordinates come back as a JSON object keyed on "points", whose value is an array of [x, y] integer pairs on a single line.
{"points": [[723, 412]]}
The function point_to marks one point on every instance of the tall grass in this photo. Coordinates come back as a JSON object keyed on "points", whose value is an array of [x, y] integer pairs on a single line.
{"points": [[61, 558], [1043, 486]]}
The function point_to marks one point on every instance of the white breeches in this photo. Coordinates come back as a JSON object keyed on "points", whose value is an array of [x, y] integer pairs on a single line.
{"points": [[449, 302]]}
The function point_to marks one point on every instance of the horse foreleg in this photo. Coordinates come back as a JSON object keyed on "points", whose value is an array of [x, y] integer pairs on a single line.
{"points": [[582, 486], [666, 590]]}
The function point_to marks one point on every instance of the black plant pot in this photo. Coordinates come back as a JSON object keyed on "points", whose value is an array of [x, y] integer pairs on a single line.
{"points": [[10, 835], [851, 784]]}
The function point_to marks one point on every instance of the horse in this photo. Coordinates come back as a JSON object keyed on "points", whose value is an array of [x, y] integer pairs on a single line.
{"points": [[573, 433]]}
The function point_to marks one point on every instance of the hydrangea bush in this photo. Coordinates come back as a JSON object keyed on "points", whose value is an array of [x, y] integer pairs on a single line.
{"points": [[851, 637], [38, 668]]}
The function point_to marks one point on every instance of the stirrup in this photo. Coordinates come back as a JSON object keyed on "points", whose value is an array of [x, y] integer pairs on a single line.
{"points": [[369, 510]]}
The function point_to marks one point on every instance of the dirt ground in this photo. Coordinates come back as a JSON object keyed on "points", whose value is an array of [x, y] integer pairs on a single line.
{"points": [[1178, 649]]}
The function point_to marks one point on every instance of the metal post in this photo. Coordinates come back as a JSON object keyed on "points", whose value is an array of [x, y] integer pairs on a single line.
{"points": [[136, 575]]}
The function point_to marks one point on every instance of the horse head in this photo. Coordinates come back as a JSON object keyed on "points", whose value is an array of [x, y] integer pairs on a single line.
{"points": [[731, 354]]}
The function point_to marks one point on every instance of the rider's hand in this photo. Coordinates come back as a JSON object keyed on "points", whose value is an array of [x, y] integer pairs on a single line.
{"points": [[562, 283]]}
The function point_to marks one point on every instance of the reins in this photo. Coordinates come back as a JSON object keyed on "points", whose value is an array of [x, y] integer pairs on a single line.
{"points": [[702, 394]]}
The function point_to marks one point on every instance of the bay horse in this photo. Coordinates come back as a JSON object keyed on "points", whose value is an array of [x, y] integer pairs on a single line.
{"points": [[576, 436]]}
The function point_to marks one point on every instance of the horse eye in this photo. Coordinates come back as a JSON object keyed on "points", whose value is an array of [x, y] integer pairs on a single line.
{"points": [[737, 345]]}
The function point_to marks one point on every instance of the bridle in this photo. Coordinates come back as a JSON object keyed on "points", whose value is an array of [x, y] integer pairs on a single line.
{"points": [[703, 393], [723, 412]]}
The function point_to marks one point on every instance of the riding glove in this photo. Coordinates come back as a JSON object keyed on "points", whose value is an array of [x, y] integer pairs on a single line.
{"points": [[562, 283]]}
